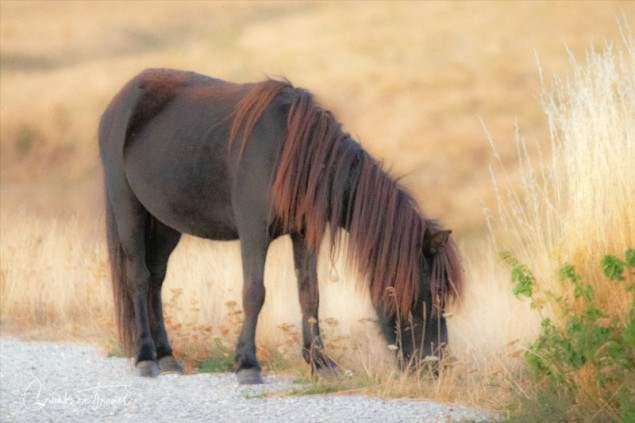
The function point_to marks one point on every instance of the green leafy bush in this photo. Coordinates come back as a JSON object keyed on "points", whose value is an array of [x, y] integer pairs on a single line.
{"points": [[585, 359]]}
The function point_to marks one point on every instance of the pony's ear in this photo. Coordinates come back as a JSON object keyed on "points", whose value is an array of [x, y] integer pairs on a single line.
{"points": [[433, 242]]}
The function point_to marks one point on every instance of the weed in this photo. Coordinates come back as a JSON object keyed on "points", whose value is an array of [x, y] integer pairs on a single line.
{"points": [[115, 352], [523, 279], [349, 383], [218, 360], [26, 139]]}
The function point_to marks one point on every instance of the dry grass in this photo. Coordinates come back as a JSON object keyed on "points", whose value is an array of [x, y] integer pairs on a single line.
{"points": [[408, 79], [54, 279], [575, 202]]}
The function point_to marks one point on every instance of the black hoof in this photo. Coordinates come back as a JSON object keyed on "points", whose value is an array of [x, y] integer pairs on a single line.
{"points": [[322, 367], [148, 368], [249, 377], [327, 372], [169, 364]]}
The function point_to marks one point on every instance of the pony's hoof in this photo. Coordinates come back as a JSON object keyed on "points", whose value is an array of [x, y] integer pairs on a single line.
{"points": [[169, 364], [249, 377], [148, 368], [327, 372]]}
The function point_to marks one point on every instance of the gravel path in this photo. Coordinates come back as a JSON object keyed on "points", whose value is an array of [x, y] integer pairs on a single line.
{"points": [[45, 382]]}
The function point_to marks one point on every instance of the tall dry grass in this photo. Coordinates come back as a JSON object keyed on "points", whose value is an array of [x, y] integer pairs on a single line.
{"points": [[576, 204], [54, 279]]}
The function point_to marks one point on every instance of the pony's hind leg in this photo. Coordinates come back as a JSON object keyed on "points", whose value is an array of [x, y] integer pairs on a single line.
{"points": [[160, 242], [131, 219], [308, 290]]}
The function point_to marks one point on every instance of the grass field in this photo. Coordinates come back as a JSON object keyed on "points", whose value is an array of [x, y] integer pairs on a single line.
{"points": [[427, 87]]}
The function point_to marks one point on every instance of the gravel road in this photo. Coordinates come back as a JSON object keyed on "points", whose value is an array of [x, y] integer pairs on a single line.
{"points": [[46, 382]]}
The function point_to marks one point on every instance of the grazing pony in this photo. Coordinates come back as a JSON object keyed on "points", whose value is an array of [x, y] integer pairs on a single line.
{"points": [[186, 153]]}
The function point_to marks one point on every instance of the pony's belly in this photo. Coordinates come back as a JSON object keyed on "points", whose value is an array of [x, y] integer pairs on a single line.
{"points": [[211, 225], [213, 230], [204, 215], [197, 209], [187, 189]]}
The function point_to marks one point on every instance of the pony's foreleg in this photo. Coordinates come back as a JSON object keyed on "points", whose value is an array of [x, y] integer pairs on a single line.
{"points": [[254, 246], [161, 241], [308, 290]]}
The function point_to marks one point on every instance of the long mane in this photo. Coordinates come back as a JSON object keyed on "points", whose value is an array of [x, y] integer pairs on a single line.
{"points": [[324, 179]]}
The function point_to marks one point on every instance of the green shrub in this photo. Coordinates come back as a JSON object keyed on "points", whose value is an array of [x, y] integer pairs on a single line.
{"points": [[582, 364]]}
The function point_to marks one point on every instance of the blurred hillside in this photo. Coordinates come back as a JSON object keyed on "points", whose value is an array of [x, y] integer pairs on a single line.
{"points": [[408, 79]]}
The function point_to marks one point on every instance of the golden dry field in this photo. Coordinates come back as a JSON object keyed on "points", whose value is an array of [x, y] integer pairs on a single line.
{"points": [[427, 87]]}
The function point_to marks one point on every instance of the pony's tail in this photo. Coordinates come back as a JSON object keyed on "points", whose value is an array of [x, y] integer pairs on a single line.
{"points": [[124, 309]]}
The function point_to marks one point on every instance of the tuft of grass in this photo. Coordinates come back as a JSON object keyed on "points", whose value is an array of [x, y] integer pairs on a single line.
{"points": [[220, 360], [115, 352]]}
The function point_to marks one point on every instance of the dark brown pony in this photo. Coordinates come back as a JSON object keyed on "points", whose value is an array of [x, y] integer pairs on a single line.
{"points": [[185, 153]]}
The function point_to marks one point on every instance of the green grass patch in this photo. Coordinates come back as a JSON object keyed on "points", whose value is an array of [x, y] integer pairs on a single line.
{"points": [[219, 360]]}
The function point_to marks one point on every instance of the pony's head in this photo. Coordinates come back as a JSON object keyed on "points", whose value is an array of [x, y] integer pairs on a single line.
{"points": [[423, 334]]}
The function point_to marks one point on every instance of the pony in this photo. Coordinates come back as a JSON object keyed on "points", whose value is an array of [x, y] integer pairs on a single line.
{"points": [[187, 153]]}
